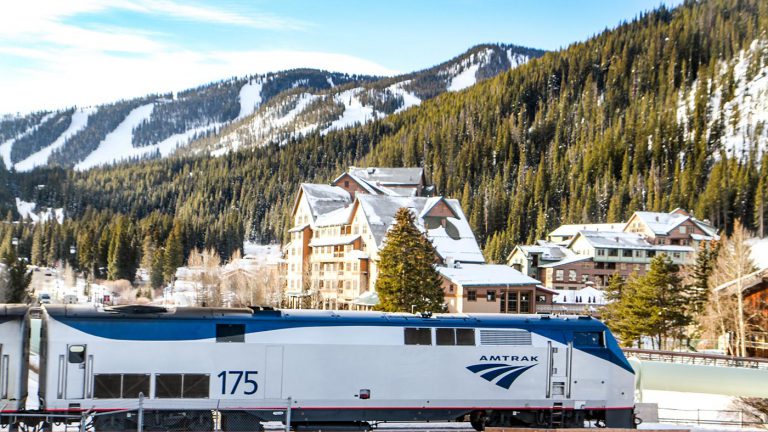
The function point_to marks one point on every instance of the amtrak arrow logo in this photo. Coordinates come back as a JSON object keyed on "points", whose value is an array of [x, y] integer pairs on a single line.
{"points": [[502, 373]]}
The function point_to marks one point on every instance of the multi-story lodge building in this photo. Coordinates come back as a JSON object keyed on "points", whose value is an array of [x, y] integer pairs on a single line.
{"points": [[338, 230], [579, 256]]}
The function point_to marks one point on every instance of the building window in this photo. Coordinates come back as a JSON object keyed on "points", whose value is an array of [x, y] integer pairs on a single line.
{"points": [[558, 275], [676, 255], [471, 295], [525, 302], [601, 252], [639, 254], [490, 296], [683, 229], [613, 252], [584, 278], [572, 275], [627, 253], [346, 183], [651, 254]]}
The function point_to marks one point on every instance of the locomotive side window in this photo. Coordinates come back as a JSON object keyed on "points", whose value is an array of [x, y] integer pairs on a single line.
{"points": [[230, 332], [120, 386], [168, 386], [196, 386], [76, 354], [133, 384], [182, 386], [465, 337], [445, 336], [588, 339], [107, 386], [451, 336], [418, 336]]}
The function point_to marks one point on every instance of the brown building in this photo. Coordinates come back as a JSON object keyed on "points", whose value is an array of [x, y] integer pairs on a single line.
{"points": [[491, 288]]}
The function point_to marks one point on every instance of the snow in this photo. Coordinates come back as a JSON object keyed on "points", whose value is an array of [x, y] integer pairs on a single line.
{"points": [[117, 144], [268, 124], [27, 209], [5, 148], [516, 59], [661, 223], [262, 254], [759, 252], [744, 116], [354, 111], [688, 407], [485, 275], [409, 99], [588, 295], [79, 121], [464, 79], [250, 98]]}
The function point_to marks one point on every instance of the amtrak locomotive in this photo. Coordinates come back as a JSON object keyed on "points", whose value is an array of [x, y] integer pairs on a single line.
{"points": [[335, 369]]}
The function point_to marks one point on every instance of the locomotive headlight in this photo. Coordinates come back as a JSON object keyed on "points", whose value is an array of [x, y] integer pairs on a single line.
{"points": [[365, 394]]}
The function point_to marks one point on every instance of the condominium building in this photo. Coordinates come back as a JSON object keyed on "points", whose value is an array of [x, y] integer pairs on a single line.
{"points": [[338, 231]]}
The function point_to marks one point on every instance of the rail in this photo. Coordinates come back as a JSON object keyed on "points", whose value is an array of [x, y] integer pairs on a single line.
{"points": [[738, 418], [697, 358]]}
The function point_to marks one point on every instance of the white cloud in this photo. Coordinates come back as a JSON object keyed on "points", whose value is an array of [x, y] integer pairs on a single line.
{"points": [[88, 77]]}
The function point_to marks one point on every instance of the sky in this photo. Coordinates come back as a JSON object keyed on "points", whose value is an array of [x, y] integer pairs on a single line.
{"points": [[62, 53]]}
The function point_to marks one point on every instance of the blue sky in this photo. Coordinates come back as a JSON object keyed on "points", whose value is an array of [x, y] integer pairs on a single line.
{"points": [[57, 53]]}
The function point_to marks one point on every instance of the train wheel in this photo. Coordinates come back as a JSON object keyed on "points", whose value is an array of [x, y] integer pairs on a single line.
{"points": [[478, 419]]}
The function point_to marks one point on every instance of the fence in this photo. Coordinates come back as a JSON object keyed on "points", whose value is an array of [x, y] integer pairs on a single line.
{"points": [[697, 358], [141, 418], [710, 417]]}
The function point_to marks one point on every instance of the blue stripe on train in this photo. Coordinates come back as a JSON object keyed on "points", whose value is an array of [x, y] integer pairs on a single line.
{"points": [[169, 329]]}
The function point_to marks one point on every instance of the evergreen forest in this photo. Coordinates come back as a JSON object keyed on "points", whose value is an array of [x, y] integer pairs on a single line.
{"points": [[635, 118]]}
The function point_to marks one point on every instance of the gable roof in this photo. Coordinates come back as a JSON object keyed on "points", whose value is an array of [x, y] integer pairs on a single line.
{"points": [[485, 275], [389, 176], [573, 229], [661, 223], [322, 198], [380, 212]]}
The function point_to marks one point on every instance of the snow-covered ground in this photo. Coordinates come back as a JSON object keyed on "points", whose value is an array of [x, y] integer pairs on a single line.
{"points": [[759, 252], [79, 121], [27, 209], [745, 114], [354, 111], [250, 97], [690, 408]]}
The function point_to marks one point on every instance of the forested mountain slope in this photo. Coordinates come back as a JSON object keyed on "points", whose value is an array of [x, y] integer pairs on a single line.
{"points": [[665, 111], [248, 112]]}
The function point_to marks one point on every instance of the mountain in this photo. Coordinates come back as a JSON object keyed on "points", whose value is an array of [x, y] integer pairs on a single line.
{"points": [[665, 111], [235, 113]]}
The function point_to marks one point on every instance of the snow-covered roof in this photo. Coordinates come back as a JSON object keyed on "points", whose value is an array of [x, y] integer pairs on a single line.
{"points": [[587, 295], [368, 298], [568, 260], [486, 275], [330, 241], [380, 212], [571, 230], [548, 251], [626, 240], [389, 176], [324, 199], [661, 223], [339, 216]]}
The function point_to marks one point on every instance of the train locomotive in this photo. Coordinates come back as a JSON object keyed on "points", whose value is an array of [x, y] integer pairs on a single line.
{"points": [[335, 369], [14, 351]]}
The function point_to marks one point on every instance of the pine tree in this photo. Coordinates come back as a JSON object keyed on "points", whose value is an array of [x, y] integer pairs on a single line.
{"points": [[156, 271], [38, 246], [121, 258], [407, 277], [698, 291], [19, 278], [174, 255]]}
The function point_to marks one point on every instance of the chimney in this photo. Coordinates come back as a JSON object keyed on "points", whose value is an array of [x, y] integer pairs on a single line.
{"points": [[449, 262]]}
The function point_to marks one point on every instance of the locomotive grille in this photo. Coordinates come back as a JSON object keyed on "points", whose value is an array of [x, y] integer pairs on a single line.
{"points": [[505, 337]]}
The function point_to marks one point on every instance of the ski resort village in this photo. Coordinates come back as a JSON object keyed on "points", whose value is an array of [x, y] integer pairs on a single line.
{"points": [[423, 216]]}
